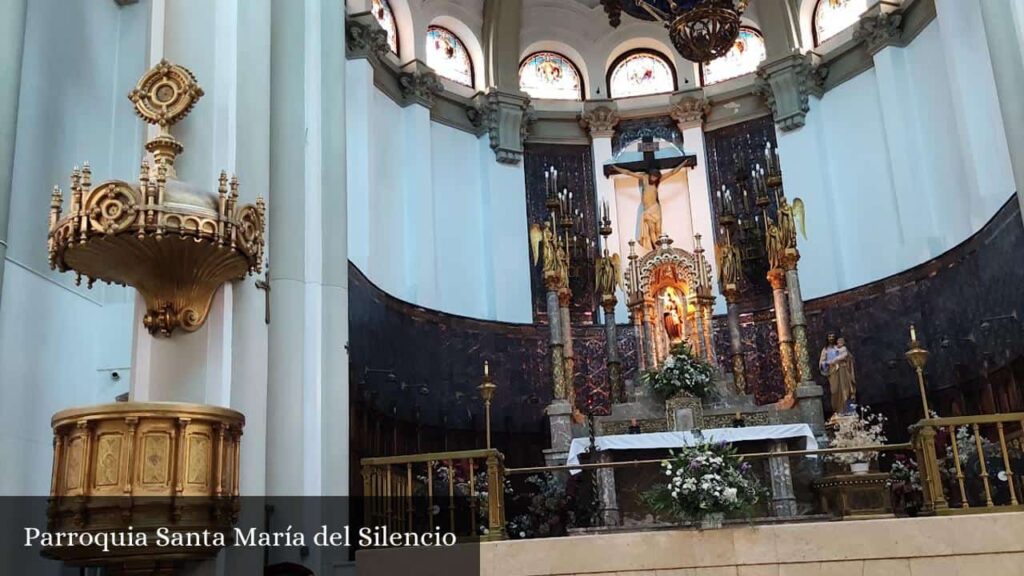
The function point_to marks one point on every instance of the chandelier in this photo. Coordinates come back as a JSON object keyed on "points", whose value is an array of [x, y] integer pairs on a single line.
{"points": [[701, 30]]}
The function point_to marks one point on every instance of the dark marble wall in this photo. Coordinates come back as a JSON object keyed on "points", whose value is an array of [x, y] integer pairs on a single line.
{"points": [[968, 306], [732, 152], [415, 371], [575, 166]]}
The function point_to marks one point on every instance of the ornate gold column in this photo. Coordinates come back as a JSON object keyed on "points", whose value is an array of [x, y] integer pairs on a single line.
{"points": [[796, 317], [777, 278]]}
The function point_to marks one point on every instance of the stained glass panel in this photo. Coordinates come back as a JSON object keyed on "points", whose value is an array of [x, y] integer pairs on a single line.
{"points": [[747, 53], [448, 56], [386, 18], [833, 16], [639, 74], [550, 75]]}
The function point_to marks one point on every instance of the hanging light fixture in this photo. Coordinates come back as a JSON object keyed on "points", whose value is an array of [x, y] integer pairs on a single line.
{"points": [[701, 30]]}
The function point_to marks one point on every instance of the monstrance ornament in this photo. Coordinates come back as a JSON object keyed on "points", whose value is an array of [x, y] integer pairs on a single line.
{"points": [[174, 242]]}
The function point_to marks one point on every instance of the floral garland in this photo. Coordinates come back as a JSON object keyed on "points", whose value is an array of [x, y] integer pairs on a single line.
{"points": [[682, 372], [702, 480]]}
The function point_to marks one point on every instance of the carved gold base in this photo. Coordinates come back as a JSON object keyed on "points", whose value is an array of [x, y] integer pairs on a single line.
{"points": [[176, 276], [143, 466]]}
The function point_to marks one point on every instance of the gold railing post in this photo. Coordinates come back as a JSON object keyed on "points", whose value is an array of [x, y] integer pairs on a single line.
{"points": [[495, 497], [1006, 464], [931, 481]]}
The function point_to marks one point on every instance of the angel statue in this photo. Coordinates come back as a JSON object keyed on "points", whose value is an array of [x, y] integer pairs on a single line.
{"points": [[774, 243], [608, 274], [542, 240], [788, 215], [730, 264]]}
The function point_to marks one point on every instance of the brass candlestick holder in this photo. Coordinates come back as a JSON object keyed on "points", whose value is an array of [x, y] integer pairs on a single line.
{"points": [[918, 357], [487, 389]]}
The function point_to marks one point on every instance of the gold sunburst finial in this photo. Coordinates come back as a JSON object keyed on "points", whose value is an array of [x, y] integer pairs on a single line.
{"points": [[166, 94]]}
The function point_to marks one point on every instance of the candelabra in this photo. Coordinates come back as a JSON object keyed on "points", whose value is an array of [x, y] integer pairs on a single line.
{"points": [[487, 389], [918, 357]]}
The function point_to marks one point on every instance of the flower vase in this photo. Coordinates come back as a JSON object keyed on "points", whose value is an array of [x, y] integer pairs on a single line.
{"points": [[712, 521], [860, 468]]}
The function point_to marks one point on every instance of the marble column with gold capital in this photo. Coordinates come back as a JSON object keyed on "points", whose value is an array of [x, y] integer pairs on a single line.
{"points": [[556, 343], [615, 387], [777, 278], [739, 366], [808, 394], [564, 300], [796, 317]]}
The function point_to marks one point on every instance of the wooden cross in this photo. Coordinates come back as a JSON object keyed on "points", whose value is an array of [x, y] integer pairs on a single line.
{"points": [[649, 148]]}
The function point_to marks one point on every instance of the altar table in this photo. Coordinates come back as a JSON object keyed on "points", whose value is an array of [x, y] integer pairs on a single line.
{"points": [[783, 500], [659, 440]]}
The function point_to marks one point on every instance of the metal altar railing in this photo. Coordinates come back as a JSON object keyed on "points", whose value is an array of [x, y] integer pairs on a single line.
{"points": [[746, 456], [971, 463], [462, 491]]}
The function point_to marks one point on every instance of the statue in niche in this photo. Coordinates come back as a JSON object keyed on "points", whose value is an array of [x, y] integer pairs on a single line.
{"points": [[836, 364], [650, 222], [673, 317]]}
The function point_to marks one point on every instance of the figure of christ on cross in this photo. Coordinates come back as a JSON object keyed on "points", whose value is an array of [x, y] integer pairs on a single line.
{"points": [[648, 171]]}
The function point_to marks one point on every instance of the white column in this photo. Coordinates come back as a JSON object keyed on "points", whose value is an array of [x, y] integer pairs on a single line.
{"points": [[804, 157], [978, 120], [1004, 31], [602, 151], [507, 270], [701, 212], [228, 130], [307, 396], [907, 158], [12, 41], [359, 100], [308, 360], [419, 251]]}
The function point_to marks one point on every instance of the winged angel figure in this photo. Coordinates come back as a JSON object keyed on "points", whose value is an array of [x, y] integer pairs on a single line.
{"points": [[789, 215], [608, 274], [542, 242]]}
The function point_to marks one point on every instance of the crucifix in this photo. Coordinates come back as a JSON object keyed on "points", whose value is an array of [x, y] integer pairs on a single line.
{"points": [[646, 166]]}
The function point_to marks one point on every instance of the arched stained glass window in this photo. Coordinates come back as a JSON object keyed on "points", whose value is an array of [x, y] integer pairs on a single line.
{"points": [[448, 56], [833, 16], [550, 75], [639, 73], [386, 18], [746, 55]]}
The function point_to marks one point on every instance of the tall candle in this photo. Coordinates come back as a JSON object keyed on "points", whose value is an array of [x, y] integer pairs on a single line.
{"points": [[913, 333]]}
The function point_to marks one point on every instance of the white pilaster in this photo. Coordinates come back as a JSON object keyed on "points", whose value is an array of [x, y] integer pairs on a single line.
{"points": [[602, 152], [419, 219], [308, 360], [977, 114], [1004, 31], [701, 212]]}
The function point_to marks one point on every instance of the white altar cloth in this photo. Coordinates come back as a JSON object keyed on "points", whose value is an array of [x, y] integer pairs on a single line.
{"points": [[657, 440]]}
